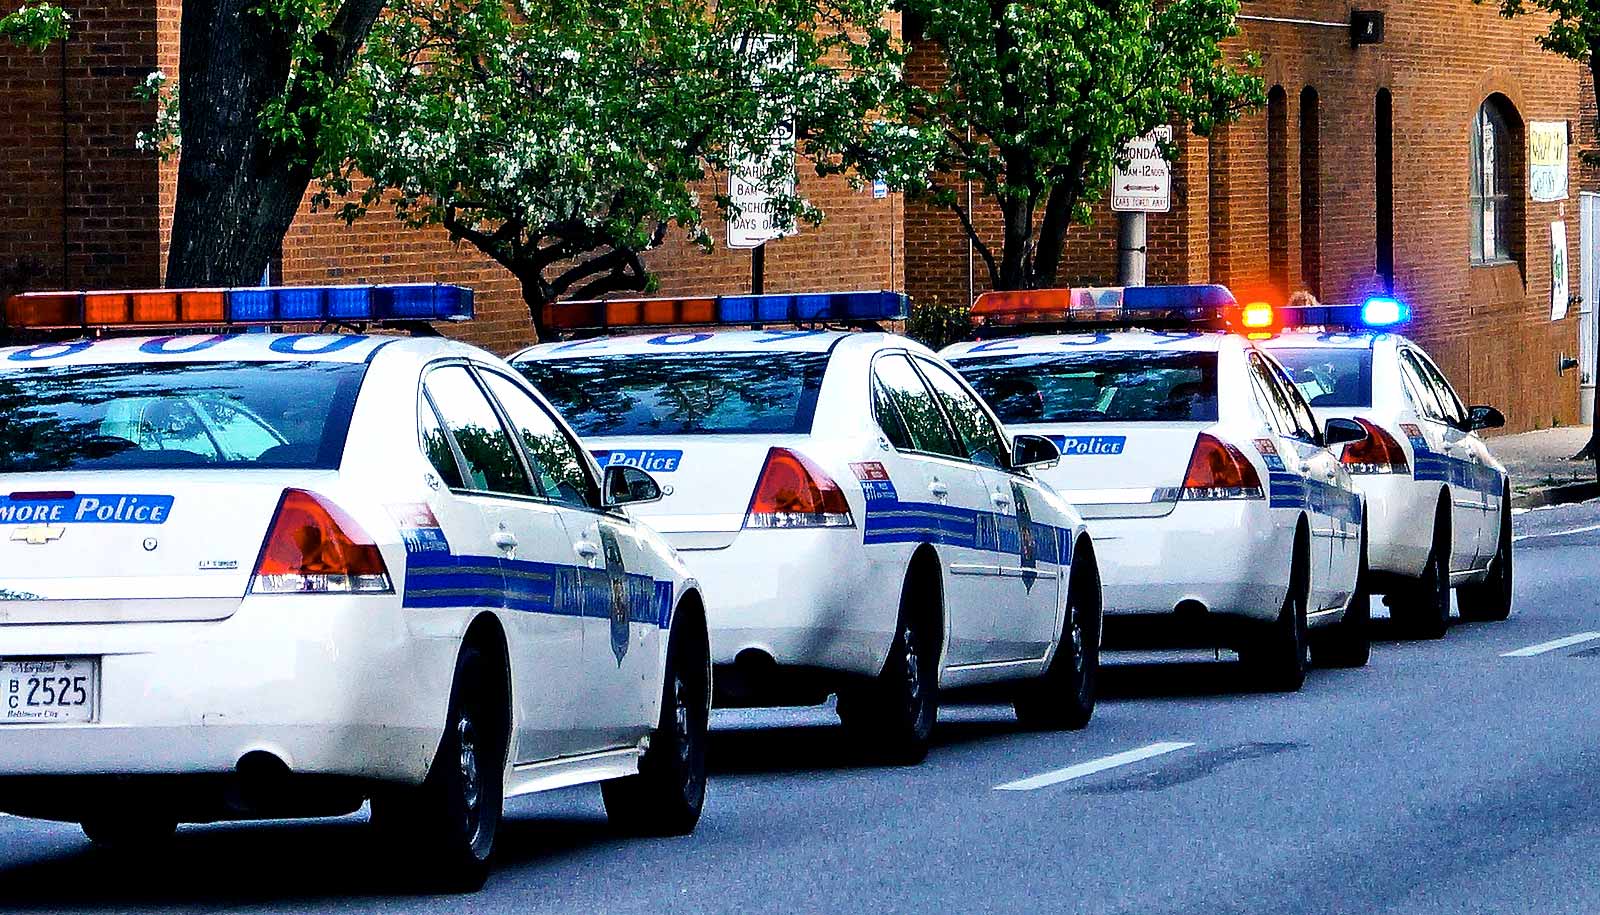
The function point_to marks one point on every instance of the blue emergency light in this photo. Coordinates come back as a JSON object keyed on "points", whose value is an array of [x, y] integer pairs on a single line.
{"points": [[1376, 313], [250, 305], [841, 307]]}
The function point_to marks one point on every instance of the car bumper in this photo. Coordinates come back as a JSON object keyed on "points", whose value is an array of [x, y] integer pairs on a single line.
{"points": [[1400, 513], [1227, 557], [330, 685], [805, 598]]}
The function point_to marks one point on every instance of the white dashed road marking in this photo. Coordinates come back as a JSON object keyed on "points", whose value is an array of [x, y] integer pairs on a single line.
{"points": [[1057, 776], [1552, 645], [1577, 530]]}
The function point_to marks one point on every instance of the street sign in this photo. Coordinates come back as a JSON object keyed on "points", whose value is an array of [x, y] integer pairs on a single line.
{"points": [[755, 178], [1145, 185]]}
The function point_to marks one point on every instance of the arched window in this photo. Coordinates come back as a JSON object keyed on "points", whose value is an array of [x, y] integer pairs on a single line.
{"points": [[1496, 189], [1278, 190], [1383, 185], [1310, 193]]}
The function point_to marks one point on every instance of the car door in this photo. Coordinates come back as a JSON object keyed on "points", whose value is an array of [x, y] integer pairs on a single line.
{"points": [[1026, 592], [611, 577], [1305, 467], [1438, 453], [954, 505], [531, 553], [1473, 472]]}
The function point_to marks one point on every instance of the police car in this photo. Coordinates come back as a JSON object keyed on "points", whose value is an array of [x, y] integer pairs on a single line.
{"points": [[1439, 502], [1204, 476], [860, 521], [271, 575]]}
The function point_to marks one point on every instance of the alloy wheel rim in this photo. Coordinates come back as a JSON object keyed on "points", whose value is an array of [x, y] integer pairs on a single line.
{"points": [[471, 782], [913, 672]]}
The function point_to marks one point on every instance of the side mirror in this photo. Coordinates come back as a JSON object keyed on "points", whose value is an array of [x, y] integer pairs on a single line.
{"points": [[629, 486], [1033, 451], [1340, 431], [1483, 417]]}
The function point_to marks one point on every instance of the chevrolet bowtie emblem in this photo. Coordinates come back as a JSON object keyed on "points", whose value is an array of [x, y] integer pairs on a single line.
{"points": [[38, 534]]}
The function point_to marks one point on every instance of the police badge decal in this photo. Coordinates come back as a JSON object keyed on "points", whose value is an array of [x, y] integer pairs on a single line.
{"points": [[619, 593]]}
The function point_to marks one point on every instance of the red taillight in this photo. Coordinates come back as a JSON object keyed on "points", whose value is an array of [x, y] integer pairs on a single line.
{"points": [[1379, 452], [793, 492], [314, 547], [1218, 470]]}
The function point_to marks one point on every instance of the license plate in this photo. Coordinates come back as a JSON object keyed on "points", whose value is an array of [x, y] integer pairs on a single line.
{"points": [[48, 690]]}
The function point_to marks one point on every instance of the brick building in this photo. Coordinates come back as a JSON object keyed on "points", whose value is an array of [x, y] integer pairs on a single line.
{"points": [[1357, 178], [1294, 196]]}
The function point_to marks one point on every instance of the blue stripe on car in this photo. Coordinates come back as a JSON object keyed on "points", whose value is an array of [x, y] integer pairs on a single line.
{"points": [[437, 580]]}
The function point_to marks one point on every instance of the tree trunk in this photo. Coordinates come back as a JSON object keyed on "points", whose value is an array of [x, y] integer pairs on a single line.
{"points": [[1053, 234], [1017, 213], [238, 190], [535, 293]]}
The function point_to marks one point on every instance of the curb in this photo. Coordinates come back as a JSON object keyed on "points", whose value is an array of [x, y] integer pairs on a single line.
{"points": [[1561, 494]]}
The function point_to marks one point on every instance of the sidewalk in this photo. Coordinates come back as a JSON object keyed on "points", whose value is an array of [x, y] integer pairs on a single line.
{"points": [[1541, 472]]}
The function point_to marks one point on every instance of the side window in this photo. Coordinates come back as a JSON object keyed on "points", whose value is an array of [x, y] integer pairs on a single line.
{"points": [[888, 416], [979, 435], [1277, 402], [1417, 386], [924, 421], [436, 445], [1303, 417], [492, 464], [557, 465], [1453, 410]]}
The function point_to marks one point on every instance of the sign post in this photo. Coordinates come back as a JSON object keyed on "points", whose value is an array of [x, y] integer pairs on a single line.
{"points": [[1143, 186]]}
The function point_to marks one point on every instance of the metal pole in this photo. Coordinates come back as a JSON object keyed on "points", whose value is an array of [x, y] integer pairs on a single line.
{"points": [[1130, 249], [758, 269]]}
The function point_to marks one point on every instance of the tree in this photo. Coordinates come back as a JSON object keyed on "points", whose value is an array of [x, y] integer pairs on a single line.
{"points": [[1037, 100], [34, 26], [566, 138], [1573, 33]]}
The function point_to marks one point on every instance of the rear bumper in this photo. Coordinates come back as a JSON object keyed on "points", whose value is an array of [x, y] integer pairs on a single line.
{"points": [[806, 598], [1226, 556], [330, 685], [1400, 515]]}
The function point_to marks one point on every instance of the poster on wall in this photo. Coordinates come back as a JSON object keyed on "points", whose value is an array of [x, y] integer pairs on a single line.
{"points": [[1547, 160], [1558, 271]]}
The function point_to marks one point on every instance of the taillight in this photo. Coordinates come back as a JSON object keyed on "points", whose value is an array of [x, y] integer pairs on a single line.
{"points": [[313, 547], [793, 492], [1379, 452], [1218, 470]]}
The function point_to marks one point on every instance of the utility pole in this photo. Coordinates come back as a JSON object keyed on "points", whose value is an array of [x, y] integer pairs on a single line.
{"points": [[1130, 248]]}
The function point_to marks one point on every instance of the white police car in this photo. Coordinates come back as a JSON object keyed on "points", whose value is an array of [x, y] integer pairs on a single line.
{"points": [[1439, 503], [1220, 513], [861, 523], [265, 575]]}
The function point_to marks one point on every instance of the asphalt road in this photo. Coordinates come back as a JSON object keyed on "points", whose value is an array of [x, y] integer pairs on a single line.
{"points": [[1445, 777]]}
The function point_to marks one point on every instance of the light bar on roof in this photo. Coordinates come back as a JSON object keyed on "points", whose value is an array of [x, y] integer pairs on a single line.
{"points": [[842, 307], [1107, 305], [1375, 313], [156, 308]]}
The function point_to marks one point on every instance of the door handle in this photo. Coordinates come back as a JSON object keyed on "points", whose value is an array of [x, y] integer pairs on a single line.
{"points": [[1333, 475], [504, 540], [1001, 500], [586, 549], [1305, 469], [938, 489]]}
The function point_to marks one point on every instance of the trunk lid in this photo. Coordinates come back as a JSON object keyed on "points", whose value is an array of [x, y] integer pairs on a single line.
{"points": [[1118, 469]]}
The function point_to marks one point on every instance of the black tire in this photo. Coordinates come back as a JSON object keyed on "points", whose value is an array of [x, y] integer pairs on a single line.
{"points": [[668, 794], [1349, 642], [1422, 611], [895, 714], [447, 827], [128, 830], [1063, 699], [1279, 656], [1489, 601]]}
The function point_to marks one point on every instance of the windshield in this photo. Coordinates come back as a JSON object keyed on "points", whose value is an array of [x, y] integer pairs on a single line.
{"points": [[176, 415], [1138, 386], [684, 393], [1330, 377]]}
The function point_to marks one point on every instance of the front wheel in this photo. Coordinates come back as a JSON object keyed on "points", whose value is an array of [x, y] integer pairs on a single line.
{"points": [[1064, 697], [1489, 601], [668, 794]]}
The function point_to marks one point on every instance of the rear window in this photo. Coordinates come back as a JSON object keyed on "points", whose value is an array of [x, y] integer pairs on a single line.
{"points": [[176, 415], [1330, 377], [1140, 386], [684, 393]]}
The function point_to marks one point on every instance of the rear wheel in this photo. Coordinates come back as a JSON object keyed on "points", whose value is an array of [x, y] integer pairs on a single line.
{"points": [[448, 825], [896, 712], [1279, 657], [1349, 642], [666, 797], [1064, 697], [1422, 611], [1489, 601]]}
